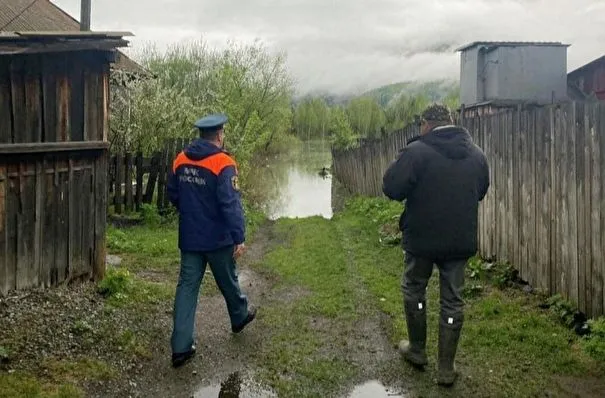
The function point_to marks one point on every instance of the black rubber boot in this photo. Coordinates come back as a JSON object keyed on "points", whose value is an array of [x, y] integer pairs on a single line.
{"points": [[413, 350], [179, 360], [249, 318], [449, 335]]}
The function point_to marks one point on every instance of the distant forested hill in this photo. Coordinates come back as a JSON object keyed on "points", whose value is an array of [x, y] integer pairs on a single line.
{"points": [[434, 91]]}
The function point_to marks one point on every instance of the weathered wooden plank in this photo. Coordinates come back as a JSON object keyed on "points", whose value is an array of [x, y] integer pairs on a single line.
{"points": [[6, 103], [560, 215], [62, 223], [509, 237], [582, 209], [544, 187], [38, 267], [72, 197], [535, 191], [573, 205], [128, 182], [594, 284], [162, 180], [88, 219], [119, 199], [153, 176], [27, 271], [49, 101], [33, 102], [11, 236], [600, 129], [100, 211], [76, 104], [19, 121], [49, 238], [64, 100], [4, 241], [139, 179]]}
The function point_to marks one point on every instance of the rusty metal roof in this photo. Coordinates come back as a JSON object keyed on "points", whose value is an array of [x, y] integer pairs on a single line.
{"points": [[43, 16], [512, 44], [591, 64]]}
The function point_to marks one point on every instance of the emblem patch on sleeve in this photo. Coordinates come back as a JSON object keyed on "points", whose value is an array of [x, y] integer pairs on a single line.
{"points": [[235, 183]]}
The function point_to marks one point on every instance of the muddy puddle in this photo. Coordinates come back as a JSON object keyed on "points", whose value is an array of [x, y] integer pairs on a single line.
{"points": [[237, 385], [374, 389], [240, 385]]}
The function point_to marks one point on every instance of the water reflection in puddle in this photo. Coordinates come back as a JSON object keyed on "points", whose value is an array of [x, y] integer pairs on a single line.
{"points": [[235, 386], [374, 389]]}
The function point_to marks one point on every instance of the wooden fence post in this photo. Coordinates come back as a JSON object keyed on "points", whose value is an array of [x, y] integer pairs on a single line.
{"points": [[118, 183], [128, 182], [139, 179]]}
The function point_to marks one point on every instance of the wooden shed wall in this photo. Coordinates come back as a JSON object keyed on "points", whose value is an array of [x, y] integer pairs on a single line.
{"points": [[53, 168]]}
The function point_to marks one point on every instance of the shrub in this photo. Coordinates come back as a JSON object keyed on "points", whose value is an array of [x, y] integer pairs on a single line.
{"points": [[117, 283]]}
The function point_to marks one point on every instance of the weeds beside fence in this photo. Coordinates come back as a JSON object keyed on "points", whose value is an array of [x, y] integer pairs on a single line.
{"points": [[545, 210]]}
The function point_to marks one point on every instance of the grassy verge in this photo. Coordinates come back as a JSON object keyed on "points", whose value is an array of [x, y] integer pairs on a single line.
{"points": [[329, 319], [510, 347]]}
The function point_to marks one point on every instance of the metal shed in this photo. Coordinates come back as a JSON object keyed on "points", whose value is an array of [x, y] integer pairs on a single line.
{"points": [[54, 109]]}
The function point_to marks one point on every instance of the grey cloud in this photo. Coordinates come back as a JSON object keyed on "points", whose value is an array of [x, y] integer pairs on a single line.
{"points": [[345, 45]]}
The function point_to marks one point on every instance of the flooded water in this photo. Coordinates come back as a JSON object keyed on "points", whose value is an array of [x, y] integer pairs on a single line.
{"points": [[295, 183]]}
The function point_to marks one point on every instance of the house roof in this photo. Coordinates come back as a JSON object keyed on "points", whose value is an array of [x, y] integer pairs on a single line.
{"points": [[36, 42], [42, 15], [511, 44], [587, 66]]}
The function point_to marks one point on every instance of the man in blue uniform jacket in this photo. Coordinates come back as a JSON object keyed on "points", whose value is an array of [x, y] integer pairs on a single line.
{"points": [[203, 186]]}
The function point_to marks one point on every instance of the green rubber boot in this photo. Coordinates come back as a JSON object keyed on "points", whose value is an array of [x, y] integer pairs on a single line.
{"points": [[413, 350], [448, 344]]}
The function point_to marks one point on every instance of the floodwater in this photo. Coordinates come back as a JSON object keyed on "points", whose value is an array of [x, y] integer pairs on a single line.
{"points": [[239, 385], [295, 184]]}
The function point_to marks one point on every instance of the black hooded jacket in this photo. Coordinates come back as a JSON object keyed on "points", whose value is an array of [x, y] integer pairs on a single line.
{"points": [[442, 176]]}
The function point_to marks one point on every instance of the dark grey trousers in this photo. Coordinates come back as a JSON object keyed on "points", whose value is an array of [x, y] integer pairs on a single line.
{"points": [[416, 277]]}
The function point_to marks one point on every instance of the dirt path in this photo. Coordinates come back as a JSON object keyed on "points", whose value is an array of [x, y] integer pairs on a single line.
{"points": [[220, 353]]}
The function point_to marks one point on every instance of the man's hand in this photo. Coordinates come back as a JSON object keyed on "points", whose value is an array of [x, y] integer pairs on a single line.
{"points": [[239, 250]]}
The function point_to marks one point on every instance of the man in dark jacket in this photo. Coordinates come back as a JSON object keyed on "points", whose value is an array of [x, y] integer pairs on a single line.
{"points": [[442, 176], [203, 186]]}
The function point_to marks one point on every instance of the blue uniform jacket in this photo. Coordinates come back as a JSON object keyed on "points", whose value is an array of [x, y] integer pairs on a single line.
{"points": [[203, 187]]}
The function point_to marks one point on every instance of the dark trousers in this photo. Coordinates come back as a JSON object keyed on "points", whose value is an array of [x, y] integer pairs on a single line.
{"points": [[193, 267], [416, 276]]}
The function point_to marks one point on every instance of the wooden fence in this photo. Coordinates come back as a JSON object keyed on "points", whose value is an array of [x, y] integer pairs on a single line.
{"points": [[135, 180], [545, 210]]}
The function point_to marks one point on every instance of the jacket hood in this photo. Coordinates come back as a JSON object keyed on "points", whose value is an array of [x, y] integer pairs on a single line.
{"points": [[201, 149], [452, 142]]}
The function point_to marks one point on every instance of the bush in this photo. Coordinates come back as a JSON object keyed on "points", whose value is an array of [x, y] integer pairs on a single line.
{"points": [[594, 344]]}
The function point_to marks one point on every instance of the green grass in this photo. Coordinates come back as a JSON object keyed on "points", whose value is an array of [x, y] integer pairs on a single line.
{"points": [[344, 271], [59, 381], [509, 346], [294, 360]]}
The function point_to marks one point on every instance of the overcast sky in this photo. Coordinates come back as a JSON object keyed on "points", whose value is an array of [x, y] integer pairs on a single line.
{"points": [[344, 45]]}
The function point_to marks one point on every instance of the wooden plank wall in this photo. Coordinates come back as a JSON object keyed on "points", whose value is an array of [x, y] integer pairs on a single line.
{"points": [[545, 210], [52, 204]]}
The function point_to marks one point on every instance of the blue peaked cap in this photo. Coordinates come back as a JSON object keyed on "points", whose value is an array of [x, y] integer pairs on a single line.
{"points": [[211, 121]]}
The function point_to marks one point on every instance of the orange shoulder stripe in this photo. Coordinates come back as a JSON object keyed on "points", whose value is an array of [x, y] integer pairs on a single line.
{"points": [[215, 163]]}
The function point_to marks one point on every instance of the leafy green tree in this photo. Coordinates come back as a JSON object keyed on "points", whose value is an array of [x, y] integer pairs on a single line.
{"points": [[366, 117]]}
